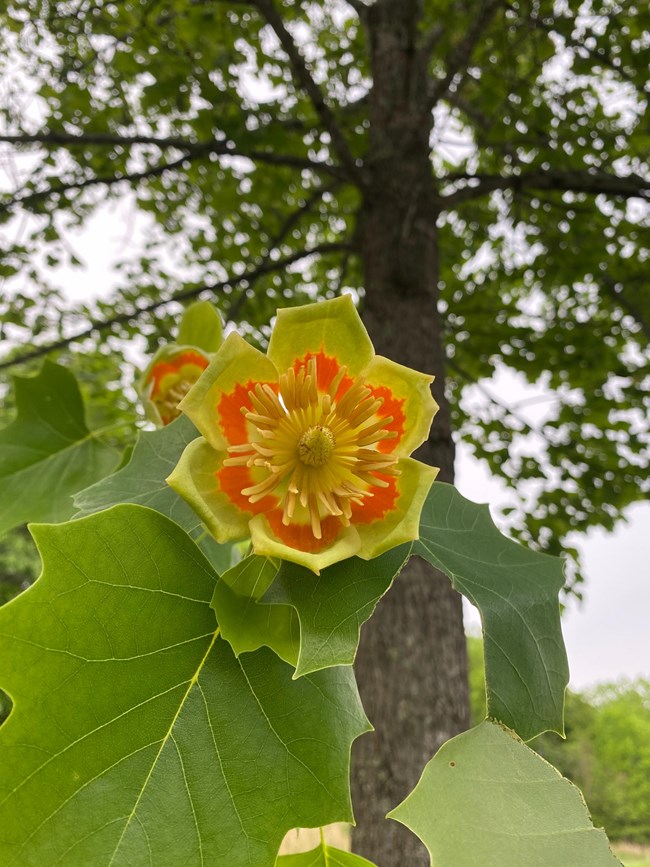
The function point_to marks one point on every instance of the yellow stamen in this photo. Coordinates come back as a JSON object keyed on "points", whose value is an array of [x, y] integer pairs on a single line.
{"points": [[317, 454]]}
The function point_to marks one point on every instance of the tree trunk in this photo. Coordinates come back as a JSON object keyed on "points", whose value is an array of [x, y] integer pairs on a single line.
{"points": [[412, 664]]}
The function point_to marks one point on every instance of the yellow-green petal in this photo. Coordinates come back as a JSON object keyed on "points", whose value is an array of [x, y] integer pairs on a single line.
{"points": [[333, 327], [169, 355], [195, 480], [237, 365], [201, 326], [266, 544], [407, 397], [401, 524]]}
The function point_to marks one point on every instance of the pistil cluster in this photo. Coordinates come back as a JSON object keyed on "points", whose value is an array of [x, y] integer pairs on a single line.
{"points": [[319, 450], [168, 401]]}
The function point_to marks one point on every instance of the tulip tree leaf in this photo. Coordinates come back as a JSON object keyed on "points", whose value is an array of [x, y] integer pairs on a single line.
{"points": [[516, 591], [323, 856], [142, 481], [136, 736], [334, 605], [487, 798], [246, 624], [48, 453]]}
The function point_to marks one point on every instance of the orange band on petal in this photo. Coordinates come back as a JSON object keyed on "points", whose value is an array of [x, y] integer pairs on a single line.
{"points": [[157, 373], [392, 406], [232, 421], [327, 367], [190, 358], [382, 502], [300, 536], [172, 368], [232, 480]]}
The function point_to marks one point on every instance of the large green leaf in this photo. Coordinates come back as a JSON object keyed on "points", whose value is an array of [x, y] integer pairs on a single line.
{"points": [[311, 621], [516, 590], [136, 736], [323, 856], [246, 624], [488, 800], [48, 453], [142, 481], [334, 605]]}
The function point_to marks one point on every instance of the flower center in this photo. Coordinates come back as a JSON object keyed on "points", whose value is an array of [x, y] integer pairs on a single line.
{"points": [[316, 452], [168, 403], [316, 445]]}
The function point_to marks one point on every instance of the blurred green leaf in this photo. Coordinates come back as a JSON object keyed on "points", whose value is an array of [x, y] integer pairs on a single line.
{"points": [[48, 453]]}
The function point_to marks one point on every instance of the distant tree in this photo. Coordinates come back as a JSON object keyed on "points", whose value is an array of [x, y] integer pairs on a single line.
{"points": [[476, 171], [620, 794]]}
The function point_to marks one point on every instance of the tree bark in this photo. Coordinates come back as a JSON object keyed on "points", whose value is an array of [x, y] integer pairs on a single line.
{"points": [[412, 664]]}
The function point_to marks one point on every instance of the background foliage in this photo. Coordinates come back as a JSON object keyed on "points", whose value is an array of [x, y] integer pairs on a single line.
{"points": [[201, 117]]}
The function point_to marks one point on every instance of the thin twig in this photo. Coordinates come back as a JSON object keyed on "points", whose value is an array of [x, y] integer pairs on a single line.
{"points": [[577, 181], [459, 57], [311, 88], [97, 326], [107, 180], [56, 138]]}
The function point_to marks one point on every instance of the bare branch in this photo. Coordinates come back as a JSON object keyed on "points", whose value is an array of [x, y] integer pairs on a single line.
{"points": [[294, 217], [508, 410], [462, 52], [277, 239], [98, 326], [306, 81], [593, 183], [599, 54]]}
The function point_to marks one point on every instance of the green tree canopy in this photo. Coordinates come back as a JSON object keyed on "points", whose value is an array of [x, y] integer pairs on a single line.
{"points": [[475, 172], [248, 132]]}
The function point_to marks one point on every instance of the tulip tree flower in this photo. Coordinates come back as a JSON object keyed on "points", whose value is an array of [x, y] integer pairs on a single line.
{"points": [[306, 448], [175, 368], [170, 375]]}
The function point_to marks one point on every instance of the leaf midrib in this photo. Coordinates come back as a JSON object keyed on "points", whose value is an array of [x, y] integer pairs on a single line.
{"points": [[166, 737]]}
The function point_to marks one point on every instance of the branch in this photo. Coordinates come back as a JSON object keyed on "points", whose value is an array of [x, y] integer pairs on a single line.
{"points": [[598, 54], [307, 82], [293, 218], [107, 180], [635, 312], [453, 364], [460, 55], [277, 239], [593, 183], [98, 326], [222, 148]]}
